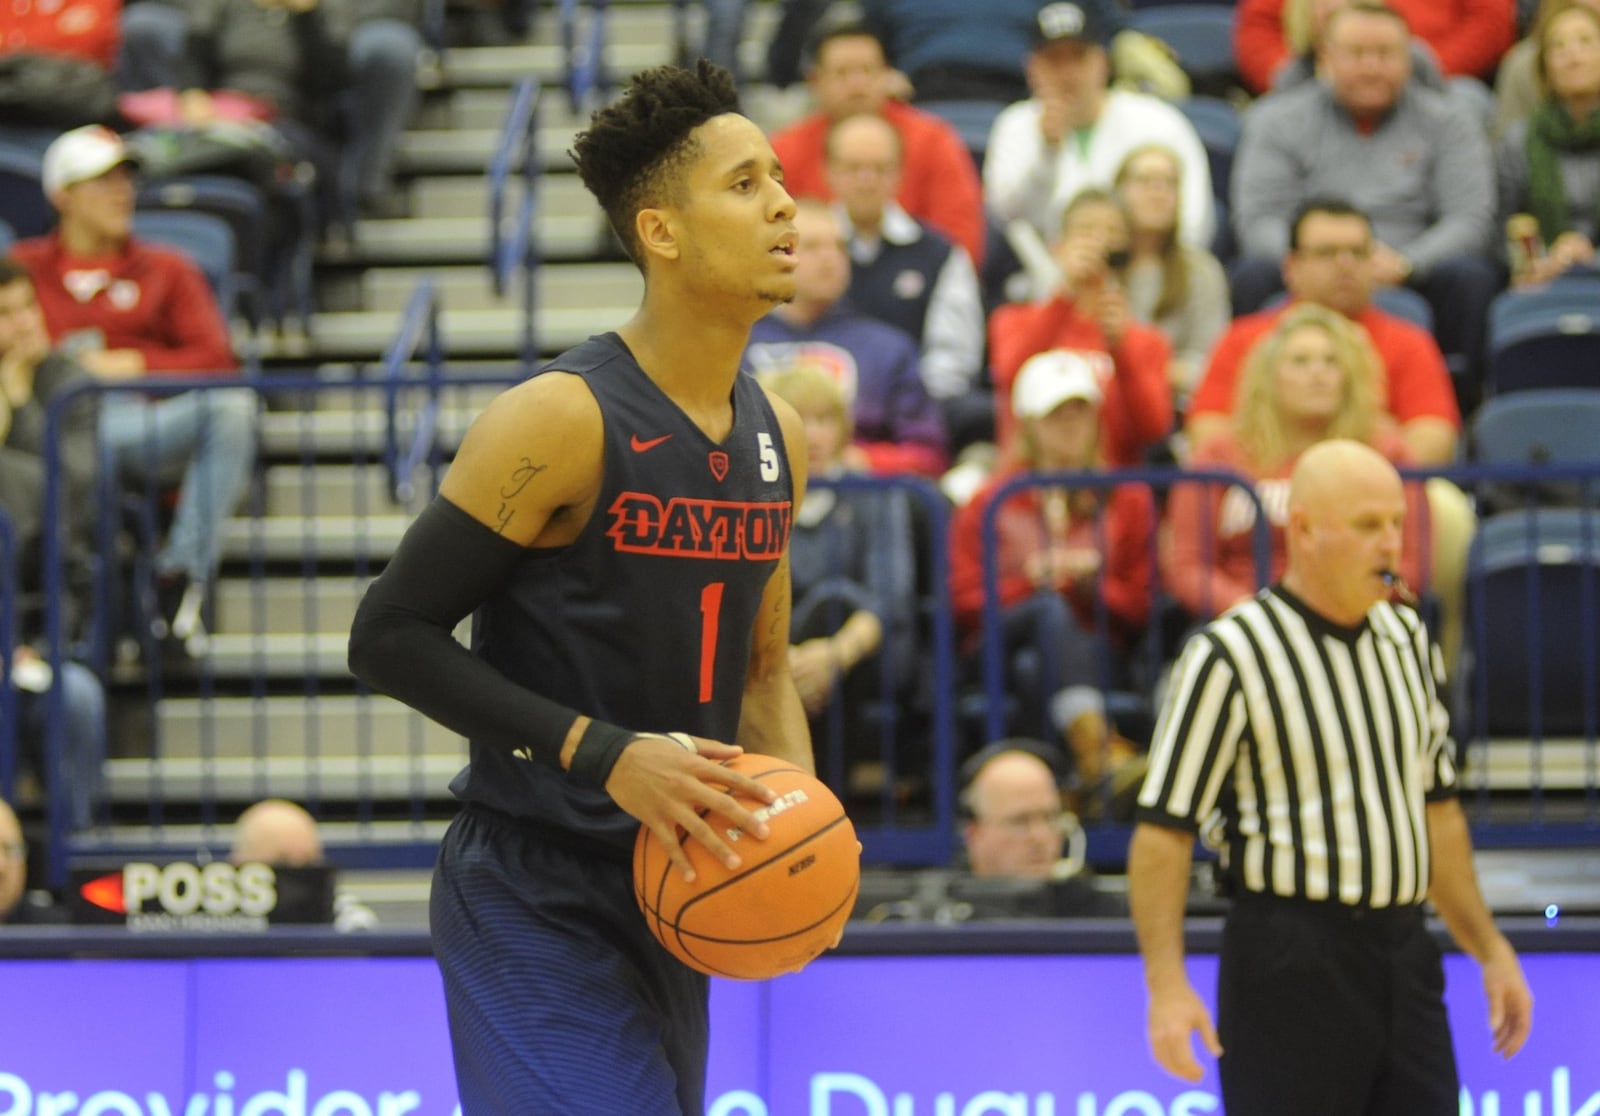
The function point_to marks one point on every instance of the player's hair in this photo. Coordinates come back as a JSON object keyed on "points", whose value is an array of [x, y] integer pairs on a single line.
{"points": [[634, 151], [1259, 426]]}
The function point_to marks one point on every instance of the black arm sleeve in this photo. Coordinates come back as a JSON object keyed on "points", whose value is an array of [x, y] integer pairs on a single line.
{"points": [[401, 643]]}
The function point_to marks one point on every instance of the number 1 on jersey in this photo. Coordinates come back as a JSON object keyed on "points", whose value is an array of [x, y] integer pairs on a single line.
{"points": [[710, 623]]}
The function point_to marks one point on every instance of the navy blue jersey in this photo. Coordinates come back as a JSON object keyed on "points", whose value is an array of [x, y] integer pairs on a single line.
{"points": [[645, 620]]}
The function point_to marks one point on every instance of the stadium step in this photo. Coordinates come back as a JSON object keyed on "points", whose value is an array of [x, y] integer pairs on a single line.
{"points": [[572, 286], [285, 606], [492, 332], [345, 727]]}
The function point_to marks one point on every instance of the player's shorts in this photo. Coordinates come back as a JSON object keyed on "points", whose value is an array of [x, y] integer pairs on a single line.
{"points": [[560, 1001]]}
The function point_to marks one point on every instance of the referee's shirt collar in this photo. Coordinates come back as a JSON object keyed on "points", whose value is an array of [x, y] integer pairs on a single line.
{"points": [[1317, 623]]}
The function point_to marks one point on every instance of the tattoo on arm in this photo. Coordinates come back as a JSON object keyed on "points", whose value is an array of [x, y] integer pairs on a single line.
{"points": [[520, 478], [777, 638]]}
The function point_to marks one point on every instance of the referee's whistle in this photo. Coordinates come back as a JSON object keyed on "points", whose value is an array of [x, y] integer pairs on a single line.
{"points": [[1398, 586]]}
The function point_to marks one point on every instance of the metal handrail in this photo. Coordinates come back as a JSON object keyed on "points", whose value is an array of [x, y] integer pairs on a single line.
{"points": [[584, 72], [419, 326], [993, 650], [518, 148]]}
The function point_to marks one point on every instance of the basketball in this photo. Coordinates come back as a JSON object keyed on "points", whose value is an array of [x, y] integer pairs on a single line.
{"points": [[781, 907]]}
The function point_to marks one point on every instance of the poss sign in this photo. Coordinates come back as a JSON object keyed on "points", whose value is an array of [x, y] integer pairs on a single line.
{"points": [[189, 895]]}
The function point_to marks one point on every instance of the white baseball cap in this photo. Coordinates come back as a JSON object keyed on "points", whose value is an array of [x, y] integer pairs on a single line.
{"points": [[82, 154], [1049, 379]]}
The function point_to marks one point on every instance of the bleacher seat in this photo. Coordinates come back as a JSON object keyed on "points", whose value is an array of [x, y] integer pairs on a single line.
{"points": [[1403, 302], [22, 199], [1533, 623], [971, 119], [1217, 124], [1201, 35], [1544, 338], [235, 202], [1555, 426], [207, 240]]}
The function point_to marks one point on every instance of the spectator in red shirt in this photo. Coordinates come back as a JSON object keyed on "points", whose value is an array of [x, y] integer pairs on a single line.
{"points": [[1089, 312], [1060, 554], [86, 29], [1467, 36], [126, 310], [939, 183], [1313, 377], [1330, 263]]}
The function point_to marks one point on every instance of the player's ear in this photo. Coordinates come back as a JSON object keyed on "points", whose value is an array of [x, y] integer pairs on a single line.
{"points": [[658, 233]]}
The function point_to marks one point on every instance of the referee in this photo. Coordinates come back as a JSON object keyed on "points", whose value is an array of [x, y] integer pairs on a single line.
{"points": [[1307, 723]]}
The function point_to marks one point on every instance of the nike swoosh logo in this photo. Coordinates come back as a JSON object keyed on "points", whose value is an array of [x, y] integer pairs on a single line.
{"points": [[640, 445]]}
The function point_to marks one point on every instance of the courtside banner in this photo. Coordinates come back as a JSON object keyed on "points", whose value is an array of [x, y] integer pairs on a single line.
{"points": [[864, 1036]]}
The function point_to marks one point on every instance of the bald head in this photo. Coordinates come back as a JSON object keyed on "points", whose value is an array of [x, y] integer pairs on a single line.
{"points": [[277, 832], [13, 860], [1346, 510], [1329, 472], [864, 159], [1015, 826]]}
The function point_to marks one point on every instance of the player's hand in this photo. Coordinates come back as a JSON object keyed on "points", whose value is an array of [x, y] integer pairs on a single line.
{"points": [[1175, 1014], [1510, 1001], [1082, 260], [676, 793]]}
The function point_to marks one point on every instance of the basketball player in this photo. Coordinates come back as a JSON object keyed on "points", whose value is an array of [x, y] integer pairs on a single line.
{"points": [[620, 525]]}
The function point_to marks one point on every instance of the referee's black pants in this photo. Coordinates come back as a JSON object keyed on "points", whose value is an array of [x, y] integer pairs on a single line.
{"points": [[1325, 1010]]}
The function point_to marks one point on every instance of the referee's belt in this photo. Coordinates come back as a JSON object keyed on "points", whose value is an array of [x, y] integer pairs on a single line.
{"points": [[1373, 918]]}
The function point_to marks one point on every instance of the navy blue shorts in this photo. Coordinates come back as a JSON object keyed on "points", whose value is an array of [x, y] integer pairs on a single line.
{"points": [[560, 1000]]}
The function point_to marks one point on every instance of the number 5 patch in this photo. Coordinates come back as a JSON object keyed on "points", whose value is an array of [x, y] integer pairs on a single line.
{"points": [[769, 457]]}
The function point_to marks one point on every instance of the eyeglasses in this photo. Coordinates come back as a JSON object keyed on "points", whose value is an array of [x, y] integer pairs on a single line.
{"points": [[1019, 825], [1166, 181], [1356, 252], [13, 850]]}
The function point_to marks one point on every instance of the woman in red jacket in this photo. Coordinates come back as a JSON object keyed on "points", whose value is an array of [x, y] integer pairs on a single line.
{"points": [[1073, 567]]}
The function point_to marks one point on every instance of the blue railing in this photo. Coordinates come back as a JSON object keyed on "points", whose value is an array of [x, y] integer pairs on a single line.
{"points": [[584, 62], [514, 245], [419, 329], [912, 710], [271, 709]]}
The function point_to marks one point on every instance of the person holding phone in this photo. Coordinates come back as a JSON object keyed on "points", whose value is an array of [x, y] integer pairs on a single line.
{"points": [[1088, 310]]}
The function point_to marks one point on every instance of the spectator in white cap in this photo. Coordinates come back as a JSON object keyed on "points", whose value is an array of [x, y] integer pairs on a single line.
{"points": [[1075, 131], [125, 310], [1073, 566]]}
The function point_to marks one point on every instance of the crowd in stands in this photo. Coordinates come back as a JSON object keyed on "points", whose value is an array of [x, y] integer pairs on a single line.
{"points": [[1071, 291], [1335, 282], [301, 102]]}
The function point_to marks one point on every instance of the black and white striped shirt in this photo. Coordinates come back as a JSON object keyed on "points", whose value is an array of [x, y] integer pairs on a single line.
{"points": [[1314, 745]]}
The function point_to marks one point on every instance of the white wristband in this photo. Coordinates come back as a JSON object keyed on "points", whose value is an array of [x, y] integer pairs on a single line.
{"points": [[683, 740]]}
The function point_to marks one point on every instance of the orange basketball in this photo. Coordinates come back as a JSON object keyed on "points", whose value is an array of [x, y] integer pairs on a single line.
{"points": [[781, 907]]}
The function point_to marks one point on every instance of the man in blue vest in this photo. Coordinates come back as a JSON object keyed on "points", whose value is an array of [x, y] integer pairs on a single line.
{"points": [[909, 275]]}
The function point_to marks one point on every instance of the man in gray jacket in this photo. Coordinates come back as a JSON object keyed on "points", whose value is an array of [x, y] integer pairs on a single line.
{"points": [[1407, 155]]}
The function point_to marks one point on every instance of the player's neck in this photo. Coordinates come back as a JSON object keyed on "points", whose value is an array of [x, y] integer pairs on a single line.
{"points": [[692, 357]]}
